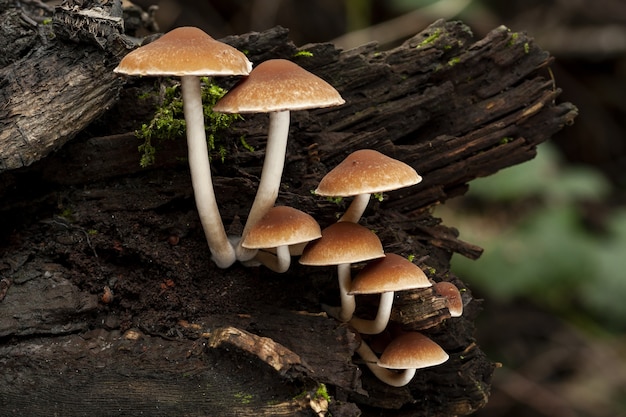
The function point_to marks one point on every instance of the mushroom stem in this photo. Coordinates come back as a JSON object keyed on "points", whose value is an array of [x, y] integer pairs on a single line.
{"points": [[356, 208], [380, 321], [348, 304], [277, 263], [271, 174], [393, 378], [223, 254]]}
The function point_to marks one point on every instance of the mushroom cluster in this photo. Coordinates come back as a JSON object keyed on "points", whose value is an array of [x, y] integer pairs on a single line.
{"points": [[275, 86], [361, 174], [273, 234]]}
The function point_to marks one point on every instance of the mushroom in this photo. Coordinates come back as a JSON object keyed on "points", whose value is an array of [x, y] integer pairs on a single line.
{"points": [[189, 53], [362, 173], [342, 244], [280, 227], [276, 86], [385, 276], [452, 296], [406, 354]]}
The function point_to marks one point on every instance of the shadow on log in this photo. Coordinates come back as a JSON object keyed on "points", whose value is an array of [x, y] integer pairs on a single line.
{"points": [[109, 303]]}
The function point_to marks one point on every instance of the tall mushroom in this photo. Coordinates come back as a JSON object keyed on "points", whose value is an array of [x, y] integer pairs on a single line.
{"points": [[280, 228], [402, 358], [276, 86], [189, 53], [342, 244], [363, 173], [385, 276]]}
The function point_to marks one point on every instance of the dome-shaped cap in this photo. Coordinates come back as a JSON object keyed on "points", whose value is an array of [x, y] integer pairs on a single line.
{"points": [[343, 243], [367, 171], [281, 226], [185, 51], [277, 85], [412, 351], [454, 301], [391, 273]]}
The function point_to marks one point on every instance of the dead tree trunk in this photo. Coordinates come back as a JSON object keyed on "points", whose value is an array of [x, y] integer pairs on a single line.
{"points": [[109, 303]]}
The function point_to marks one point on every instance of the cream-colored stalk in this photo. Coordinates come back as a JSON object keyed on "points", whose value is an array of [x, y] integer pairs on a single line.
{"points": [[389, 377], [222, 252], [269, 184]]}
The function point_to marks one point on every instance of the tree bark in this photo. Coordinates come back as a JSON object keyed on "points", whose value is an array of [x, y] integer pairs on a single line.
{"points": [[109, 303]]}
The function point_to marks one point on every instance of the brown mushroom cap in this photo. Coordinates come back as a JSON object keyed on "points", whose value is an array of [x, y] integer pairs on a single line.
{"points": [[278, 85], [412, 351], [453, 297], [343, 243], [281, 226], [367, 171], [391, 273], [185, 51]]}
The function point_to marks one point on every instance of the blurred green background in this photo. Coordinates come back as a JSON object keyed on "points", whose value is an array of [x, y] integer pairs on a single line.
{"points": [[553, 274]]}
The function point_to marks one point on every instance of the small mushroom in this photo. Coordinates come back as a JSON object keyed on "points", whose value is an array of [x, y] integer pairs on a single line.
{"points": [[342, 244], [402, 358], [385, 276], [280, 228], [454, 301], [363, 173], [276, 86], [189, 53]]}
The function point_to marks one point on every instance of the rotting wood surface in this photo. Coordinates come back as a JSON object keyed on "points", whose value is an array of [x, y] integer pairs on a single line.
{"points": [[181, 337]]}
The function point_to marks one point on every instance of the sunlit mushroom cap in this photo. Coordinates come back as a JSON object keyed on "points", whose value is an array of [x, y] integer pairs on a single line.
{"points": [[391, 273], [412, 351], [367, 171], [281, 226], [454, 301], [343, 243], [185, 51], [277, 85]]}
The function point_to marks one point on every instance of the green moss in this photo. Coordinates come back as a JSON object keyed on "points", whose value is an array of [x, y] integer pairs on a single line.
{"points": [[430, 39], [168, 122], [322, 392], [303, 53], [245, 144], [505, 140], [378, 196], [221, 151], [411, 257], [336, 200], [513, 39], [146, 95], [67, 214], [453, 61], [244, 398]]}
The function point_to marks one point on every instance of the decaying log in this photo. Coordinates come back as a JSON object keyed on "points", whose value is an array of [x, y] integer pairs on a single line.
{"points": [[109, 303]]}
